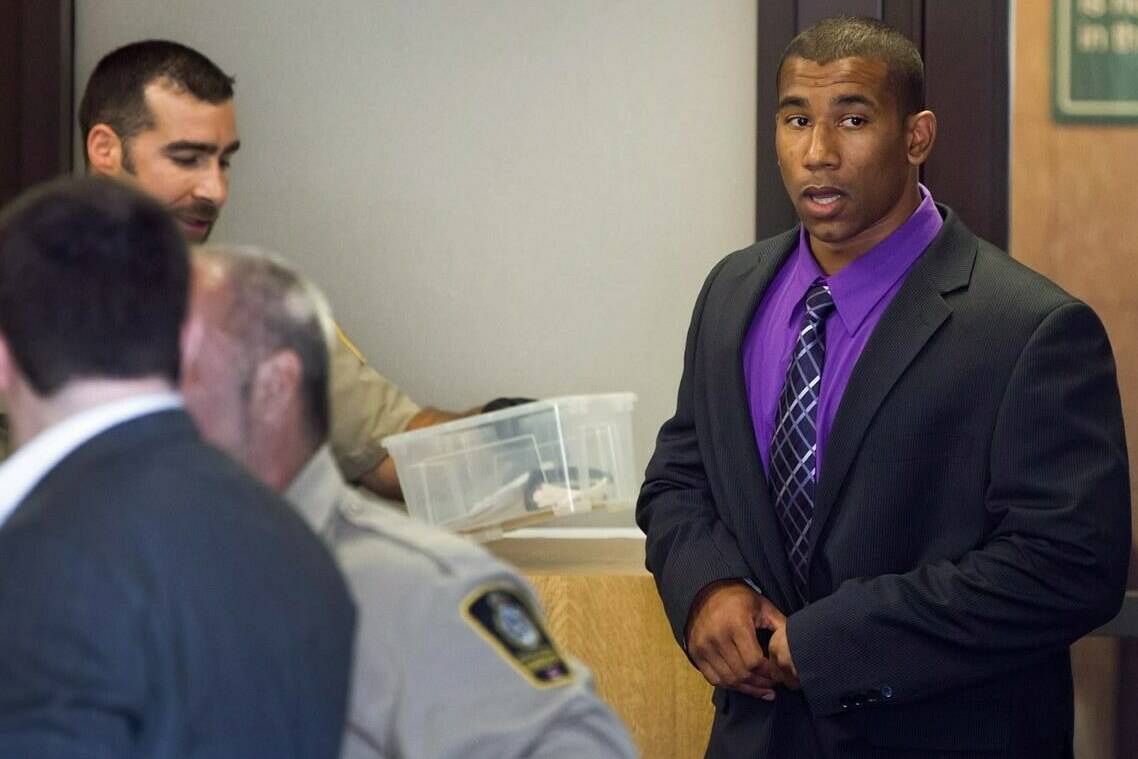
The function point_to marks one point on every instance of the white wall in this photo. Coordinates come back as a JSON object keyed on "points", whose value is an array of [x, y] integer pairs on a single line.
{"points": [[501, 197]]}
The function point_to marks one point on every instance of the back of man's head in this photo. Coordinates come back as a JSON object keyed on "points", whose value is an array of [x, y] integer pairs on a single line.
{"points": [[94, 281], [115, 93], [840, 37], [267, 307]]}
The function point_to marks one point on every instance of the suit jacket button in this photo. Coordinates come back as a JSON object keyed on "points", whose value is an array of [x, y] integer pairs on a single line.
{"points": [[859, 699], [872, 696], [844, 702], [886, 691]]}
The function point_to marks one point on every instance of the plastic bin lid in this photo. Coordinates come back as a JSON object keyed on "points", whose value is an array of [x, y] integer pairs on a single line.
{"points": [[619, 401]]}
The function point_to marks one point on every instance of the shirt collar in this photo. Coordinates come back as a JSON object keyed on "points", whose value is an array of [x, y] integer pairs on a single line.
{"points": [[315, 491], [857, 288], [24, 469]]}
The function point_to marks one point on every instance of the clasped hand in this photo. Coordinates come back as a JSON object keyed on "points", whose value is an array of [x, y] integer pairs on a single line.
{"points": [[723, 645]]}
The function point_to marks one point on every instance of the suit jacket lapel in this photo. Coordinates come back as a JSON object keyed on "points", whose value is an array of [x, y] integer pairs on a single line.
{"points": [[910, 321], [754, 514]]}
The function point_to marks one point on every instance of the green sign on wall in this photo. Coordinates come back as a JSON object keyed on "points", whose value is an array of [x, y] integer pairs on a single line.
{"points": [[1095, 60]]}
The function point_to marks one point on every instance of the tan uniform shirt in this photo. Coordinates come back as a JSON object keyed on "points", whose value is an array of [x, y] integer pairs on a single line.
{"points": [[366, 407], [452, 659]]}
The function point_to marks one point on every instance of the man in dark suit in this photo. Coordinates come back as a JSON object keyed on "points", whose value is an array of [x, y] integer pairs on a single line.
{"points": [[896, 452], [154, 600]]}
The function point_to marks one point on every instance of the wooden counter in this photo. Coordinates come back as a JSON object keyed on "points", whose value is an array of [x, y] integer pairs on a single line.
{"points": [[603, 608]]}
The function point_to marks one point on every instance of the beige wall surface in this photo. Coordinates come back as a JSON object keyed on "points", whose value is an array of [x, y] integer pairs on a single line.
{"points": [[501, 197], [1074, 217]]}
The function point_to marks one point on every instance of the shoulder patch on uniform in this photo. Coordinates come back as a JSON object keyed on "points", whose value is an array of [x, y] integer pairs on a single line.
{"points": [[343, 338], [500, 614]]}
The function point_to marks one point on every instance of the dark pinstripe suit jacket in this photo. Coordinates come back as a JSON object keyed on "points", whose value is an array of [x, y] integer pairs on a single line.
{"points": [[972, 517], [156, 602]]}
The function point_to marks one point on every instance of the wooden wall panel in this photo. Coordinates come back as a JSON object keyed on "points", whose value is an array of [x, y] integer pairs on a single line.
{"points": [[1094, 662], [615, 625], [10, 174], [35, 92], [1074, 208], [966, 82], [1074, 217], [602, 607]]}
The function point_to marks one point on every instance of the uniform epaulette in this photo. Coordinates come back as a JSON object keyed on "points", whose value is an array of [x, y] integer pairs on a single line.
{"points": [[452, 554]]}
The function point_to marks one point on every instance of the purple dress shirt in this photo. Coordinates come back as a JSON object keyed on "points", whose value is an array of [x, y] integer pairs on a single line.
{"points": [[861, 293]]}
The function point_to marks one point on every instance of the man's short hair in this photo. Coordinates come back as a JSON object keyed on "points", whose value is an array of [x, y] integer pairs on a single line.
{"points": [[273, 307], [94, 282], [115, 93], [840, 37]]}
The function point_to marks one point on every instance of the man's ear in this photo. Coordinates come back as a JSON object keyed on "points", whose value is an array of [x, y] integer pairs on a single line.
{"points": [[920, 133], [105, 150], [190, 340], [275, 386], [6, 366]]}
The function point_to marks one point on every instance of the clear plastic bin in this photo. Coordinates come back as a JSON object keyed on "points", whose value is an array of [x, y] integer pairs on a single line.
{"points": [[519, 466]]}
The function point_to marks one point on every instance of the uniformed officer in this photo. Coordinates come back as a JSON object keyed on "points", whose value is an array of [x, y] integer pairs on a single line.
{"points": [[453, 659], [161, 115]]}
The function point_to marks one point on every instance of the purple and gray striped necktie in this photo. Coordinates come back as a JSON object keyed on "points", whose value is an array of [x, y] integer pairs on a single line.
{"points": [[794, 444]]}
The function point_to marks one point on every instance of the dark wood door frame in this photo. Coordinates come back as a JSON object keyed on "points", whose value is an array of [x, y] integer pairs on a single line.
{"points": [[36, 93], [965, 47]]}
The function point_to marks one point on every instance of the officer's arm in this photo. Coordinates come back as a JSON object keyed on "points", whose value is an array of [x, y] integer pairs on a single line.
{"points": [[383, 479]]}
